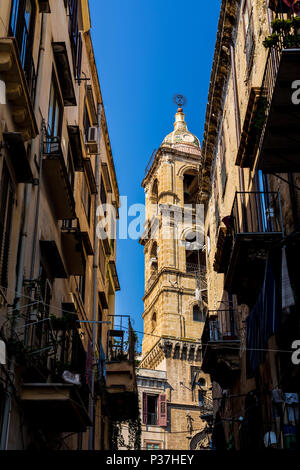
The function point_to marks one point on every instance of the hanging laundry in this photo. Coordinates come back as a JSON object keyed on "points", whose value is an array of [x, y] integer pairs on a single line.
{"points": [[263, 321], [291, 398], [277, 396]]}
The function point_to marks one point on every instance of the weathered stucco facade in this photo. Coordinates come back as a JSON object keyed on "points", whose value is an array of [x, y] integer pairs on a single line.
{"points": [[248, 184], [54, 174]]}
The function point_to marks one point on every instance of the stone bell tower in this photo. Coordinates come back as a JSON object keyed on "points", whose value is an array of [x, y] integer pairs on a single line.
{"points": [[175, 284]]}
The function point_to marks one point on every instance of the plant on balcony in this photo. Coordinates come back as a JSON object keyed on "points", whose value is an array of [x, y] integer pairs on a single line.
{"points": [[260, 115], [285, 34]]}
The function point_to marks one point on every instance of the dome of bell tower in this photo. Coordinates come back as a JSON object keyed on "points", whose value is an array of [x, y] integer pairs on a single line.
{"points": [[181, 135]]}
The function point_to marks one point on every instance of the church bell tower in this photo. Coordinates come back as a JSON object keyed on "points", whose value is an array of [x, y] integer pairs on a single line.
{"points": [[175, 282]]}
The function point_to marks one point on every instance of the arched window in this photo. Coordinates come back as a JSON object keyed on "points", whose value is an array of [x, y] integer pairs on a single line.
{"points": [[194, 255], [153, 321], [202, 382], [154, 192], [153, 258], [198, 313], [190, 187]]}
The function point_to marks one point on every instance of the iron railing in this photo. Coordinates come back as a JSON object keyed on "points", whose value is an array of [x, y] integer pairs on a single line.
{"points": [[150, 161], [220, 326], [121, 341], [256, 212], [269, 79], [195, 268]]}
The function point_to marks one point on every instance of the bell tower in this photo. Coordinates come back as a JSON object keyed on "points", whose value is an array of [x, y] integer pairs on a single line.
{"points": [[175, 280]]}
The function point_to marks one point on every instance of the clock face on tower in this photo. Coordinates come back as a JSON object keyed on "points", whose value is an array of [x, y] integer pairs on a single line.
{"points": [[188, 138]]}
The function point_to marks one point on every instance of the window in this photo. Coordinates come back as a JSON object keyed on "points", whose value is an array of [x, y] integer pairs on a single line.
{"points": [[86, 122], [71, 169], [190, 188], [223, 162], [86, 199], [153, 321], [153, 445], [102, 260], [22, 24], [82, 282], [154, 410], [102, 192], [75, 36], [249, 34], [198, 314], [55, 111], [6, 208], [216, 195]]}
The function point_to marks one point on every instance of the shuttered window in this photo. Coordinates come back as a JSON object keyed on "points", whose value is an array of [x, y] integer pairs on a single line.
{"points": [[154, 409], [6, 207]]}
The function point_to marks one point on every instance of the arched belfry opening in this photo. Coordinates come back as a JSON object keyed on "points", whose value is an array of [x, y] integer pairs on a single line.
{"points": [[190, 187], [195, 259]]}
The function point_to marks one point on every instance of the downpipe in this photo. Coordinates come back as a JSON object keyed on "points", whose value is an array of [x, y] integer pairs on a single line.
{"points": [[95, 272]]}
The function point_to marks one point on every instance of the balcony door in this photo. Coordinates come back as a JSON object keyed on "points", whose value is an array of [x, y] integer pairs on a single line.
{"points": [[55, 112], [22, 19]]}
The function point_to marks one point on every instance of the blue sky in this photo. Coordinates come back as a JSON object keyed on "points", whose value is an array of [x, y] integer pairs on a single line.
{"points": [[146, 52]]}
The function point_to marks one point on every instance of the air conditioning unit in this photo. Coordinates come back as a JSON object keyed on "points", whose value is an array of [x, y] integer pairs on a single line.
{"points": [[92, 142]]}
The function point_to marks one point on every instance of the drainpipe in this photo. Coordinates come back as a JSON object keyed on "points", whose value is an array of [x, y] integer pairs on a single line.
{"points": [[95, 280], [19, 286]]}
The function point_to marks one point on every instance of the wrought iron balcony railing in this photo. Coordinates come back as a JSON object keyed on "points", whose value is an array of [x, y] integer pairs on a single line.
{"points": [[220, 326], [256, 212], [277, 120]]}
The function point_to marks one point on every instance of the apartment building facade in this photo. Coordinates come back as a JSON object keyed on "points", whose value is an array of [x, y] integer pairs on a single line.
{"points": [[249, 185], [58, 273]]}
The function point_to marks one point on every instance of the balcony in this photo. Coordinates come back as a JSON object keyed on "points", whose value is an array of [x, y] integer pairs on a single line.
{"points": [[73, 247], [20, 87], [54, 393], [222, 256], [120, 374], [114, 274], [254, 227], [221, 347], [56, 178], [280, 140], [251, 131]]}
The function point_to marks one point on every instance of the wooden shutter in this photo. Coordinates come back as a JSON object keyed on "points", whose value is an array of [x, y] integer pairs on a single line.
{"points": [[145, 408], [162, 410], [6, 207]]}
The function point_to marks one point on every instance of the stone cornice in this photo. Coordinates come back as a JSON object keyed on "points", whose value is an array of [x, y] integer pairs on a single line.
{"points": [[169, 347], [219, 76], [193, 157]]}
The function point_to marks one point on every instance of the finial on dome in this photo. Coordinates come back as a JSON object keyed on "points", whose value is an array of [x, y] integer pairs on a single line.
{"points": [[180, 100]]}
